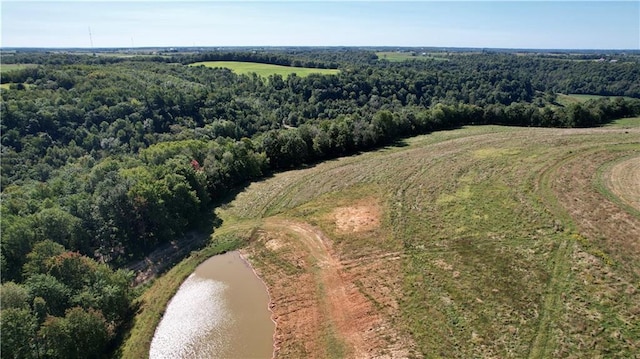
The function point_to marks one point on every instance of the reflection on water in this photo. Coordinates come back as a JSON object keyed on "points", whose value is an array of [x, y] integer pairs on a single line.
{"points": [[183, 326], [220, 311]]}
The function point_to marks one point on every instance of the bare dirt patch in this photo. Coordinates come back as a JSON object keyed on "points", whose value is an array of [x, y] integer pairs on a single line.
{"points": [[623, 180], [275, 244], [361, 217], [321, 301]]}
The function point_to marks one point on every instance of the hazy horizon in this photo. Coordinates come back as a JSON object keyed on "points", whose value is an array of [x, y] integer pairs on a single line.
{"points": [[546, 25]]}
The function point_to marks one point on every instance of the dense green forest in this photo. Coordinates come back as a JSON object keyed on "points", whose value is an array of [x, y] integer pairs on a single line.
{"points": [[105, 158]]}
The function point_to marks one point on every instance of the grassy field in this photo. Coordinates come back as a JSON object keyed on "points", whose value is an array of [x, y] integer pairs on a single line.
{"points": [[497, 262], [11, 67], [394, 56], [630, 122], [478, 242], [566, 100], [7, 86], [265, 70]]}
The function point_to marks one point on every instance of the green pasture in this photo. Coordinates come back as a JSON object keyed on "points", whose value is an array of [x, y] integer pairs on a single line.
{"points": [[394, 56], [265, 70], [630, 122], [493, 263], [490, 255], [566, 100], [11, 67]]}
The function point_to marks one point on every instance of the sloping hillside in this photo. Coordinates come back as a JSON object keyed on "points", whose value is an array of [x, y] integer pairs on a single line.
{"points": [[478, 242]]}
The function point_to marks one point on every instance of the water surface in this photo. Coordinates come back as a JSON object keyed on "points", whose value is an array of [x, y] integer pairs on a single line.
{"points": [[220, 311]]}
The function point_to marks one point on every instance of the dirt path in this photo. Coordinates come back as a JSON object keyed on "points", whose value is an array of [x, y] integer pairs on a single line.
{"points": [[320, 305], [338, 292], [624, 181]]}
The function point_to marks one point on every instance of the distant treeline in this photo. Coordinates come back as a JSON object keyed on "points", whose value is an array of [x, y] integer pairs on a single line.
{"points": [[325, 58], [59, 58]]}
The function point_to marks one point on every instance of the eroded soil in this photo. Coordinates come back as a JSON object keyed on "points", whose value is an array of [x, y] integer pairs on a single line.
{"points": [[165, 256], [361, 217], [325, 303]]}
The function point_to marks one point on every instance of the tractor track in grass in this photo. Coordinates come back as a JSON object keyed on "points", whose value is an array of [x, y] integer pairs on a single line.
{"points": [[623, 180], [593, 292]]}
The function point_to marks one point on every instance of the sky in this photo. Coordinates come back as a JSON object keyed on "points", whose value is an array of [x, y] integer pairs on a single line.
{"points": [[480, 24]]}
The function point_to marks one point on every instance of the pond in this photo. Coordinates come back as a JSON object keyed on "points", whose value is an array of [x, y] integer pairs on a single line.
{"points": [[220, 311]]}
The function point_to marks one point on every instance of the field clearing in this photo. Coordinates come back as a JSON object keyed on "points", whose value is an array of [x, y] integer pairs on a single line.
{"points": [[566, 100], [492, 242], [584, 98], [630, 122], [12, 67], [265, 70], [394, 56], [7, 86]]}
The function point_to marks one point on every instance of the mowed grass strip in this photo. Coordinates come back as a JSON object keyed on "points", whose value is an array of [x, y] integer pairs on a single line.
{"points": [[265, 70], [629, 122]]}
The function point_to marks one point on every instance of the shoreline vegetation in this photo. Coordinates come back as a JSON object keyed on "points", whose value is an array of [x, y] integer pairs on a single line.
{"points": [[152, 303]]}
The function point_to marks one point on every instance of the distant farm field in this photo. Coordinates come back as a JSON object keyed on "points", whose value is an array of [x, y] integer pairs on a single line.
{"points": [[265, 70], [7, 86], [630, 122], [11, 67], [566, 100], [393, 56]]}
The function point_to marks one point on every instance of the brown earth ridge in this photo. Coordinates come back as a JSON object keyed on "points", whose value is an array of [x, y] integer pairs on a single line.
{"points": [[325, 295]]}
